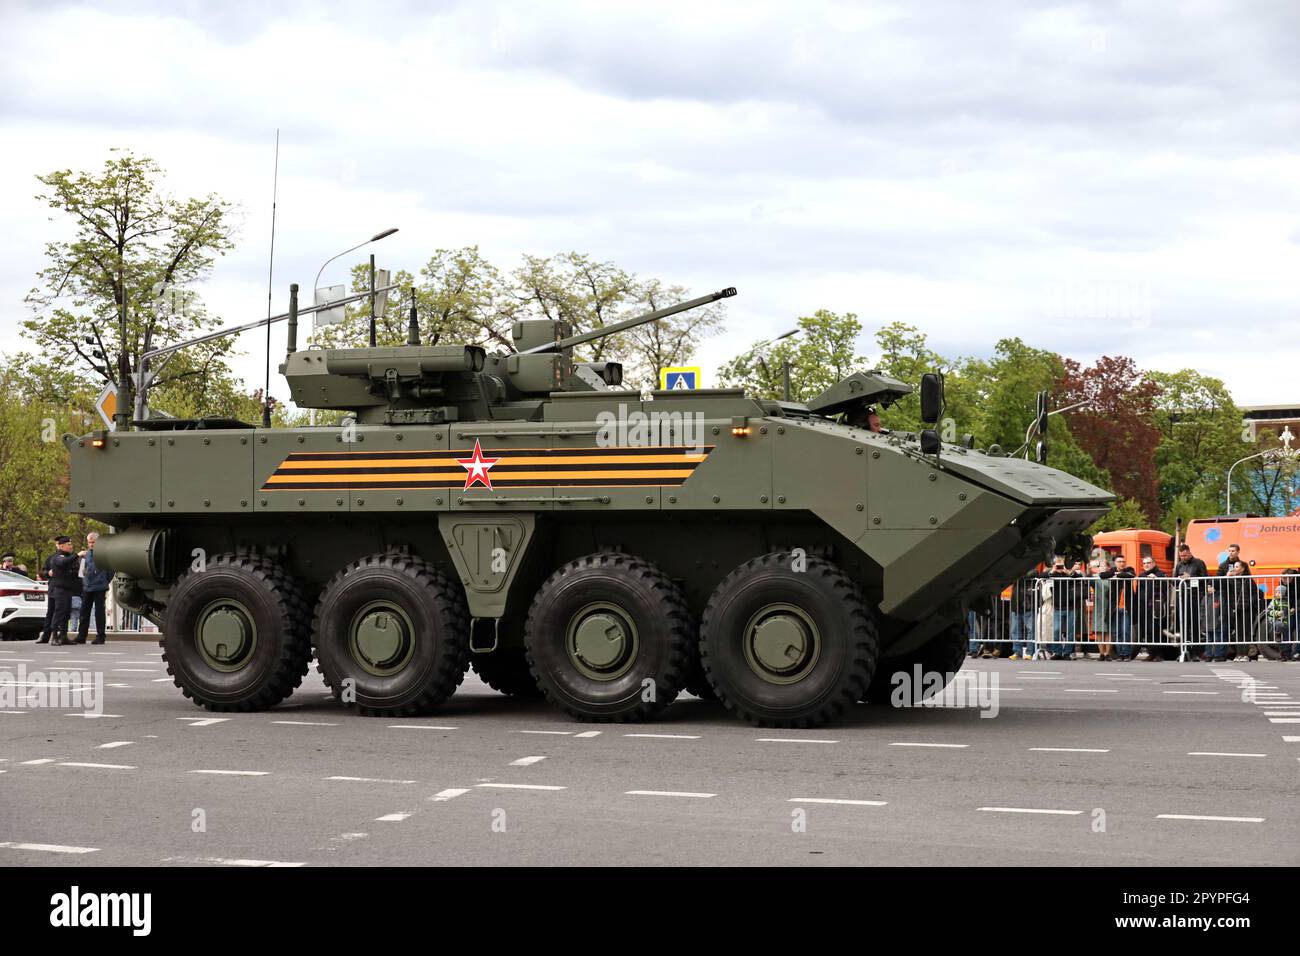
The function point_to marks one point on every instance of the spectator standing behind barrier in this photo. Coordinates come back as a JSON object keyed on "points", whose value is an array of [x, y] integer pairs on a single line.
{"points": [[1065, 608], [94, 588], [1240, 604], [1234, 555], [1151, 611], [63, 566], [1120, 577], [1024, 603], [1101, 608], [7, 564], [1189, 598], [1281, 618]]}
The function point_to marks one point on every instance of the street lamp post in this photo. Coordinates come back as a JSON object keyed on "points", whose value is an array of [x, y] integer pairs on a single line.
{"points": [[785, 366], [1286, 451], [315, 286]]}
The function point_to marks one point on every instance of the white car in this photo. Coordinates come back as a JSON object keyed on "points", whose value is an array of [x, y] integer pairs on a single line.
{"points": [[22, 606]]}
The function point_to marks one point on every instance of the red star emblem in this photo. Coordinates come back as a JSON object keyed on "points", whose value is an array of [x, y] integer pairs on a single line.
{"points": [[478, 467]]}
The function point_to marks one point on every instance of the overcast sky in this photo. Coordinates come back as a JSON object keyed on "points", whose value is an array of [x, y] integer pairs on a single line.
{"points": [[1096, 179]]}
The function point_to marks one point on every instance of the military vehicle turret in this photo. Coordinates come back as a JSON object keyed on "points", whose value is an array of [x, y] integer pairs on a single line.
{"points": [[523, 514]]}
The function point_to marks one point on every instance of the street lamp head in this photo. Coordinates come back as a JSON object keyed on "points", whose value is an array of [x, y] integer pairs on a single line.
{"points": [[382, 235]]}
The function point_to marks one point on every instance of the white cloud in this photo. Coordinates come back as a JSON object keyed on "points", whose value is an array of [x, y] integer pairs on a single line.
{"points": [[1092, 179]]}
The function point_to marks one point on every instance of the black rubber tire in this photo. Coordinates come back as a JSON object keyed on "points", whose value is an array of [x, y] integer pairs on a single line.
{"points": [[506, 671], [666, 633], [945, 654], [440, 619], [834, 603], [283, 652]]}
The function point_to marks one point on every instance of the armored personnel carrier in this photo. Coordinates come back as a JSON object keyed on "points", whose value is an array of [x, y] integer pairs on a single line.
{"points": [[523, 514]]}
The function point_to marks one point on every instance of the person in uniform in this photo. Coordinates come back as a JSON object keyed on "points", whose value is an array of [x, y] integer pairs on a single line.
{"points": [[64, 583]]}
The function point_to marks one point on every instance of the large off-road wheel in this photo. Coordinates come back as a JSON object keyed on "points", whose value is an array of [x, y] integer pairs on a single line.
{"points": [[236, 635], [942, 654], [392, 635], [609, 638], [787, 648], [505, 670]]}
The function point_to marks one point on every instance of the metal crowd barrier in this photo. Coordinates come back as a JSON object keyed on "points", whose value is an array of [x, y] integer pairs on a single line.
{"points": [[1220, 618]]}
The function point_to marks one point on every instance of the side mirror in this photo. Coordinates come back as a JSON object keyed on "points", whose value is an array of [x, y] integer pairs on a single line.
{"points": [[1040, 453], [930, 443], [931, 397], [1040, 413], [967, 441]]}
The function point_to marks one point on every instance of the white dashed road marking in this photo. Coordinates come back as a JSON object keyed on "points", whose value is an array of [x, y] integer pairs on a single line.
{"points": [[368, 780], [50, 848], [1211, 753], [666, 793], [304, 723], [96, 766], [204, 721], [794, 740], [1071, 750], [392, 818], [1193, 816], [518, 786], [419, 727], [526, 761], [115, 743], [667, 736], [234, 773], [39, 760], [444, 795], [588, 733], [850, 803], [1063, 813], [950, 746], [557, 733]]}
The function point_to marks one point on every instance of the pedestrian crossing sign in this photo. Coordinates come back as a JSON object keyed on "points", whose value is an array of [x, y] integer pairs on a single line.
{"points": [[686, 378]]}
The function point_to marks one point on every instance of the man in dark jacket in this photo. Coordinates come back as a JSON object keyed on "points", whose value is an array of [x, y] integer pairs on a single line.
{"points": [[1151, 597], [1234, 555], [1067, 600], [94, 588], [44, 575], [1122, 626], [1189, 597], [64, 583]]}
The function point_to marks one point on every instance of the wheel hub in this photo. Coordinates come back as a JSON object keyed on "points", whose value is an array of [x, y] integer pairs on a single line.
{"points": [[226, 635], [602, 642], [382, 639], [781, 644]]}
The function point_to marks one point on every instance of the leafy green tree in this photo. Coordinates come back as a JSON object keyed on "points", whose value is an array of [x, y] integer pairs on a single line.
{"points": [[668, 342], [822, 354], [123, 282], [1201, 435], [34, 471], [1127, 513]]}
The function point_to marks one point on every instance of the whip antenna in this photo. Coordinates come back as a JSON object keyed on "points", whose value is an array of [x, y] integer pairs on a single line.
{"points": [[275, 187]]}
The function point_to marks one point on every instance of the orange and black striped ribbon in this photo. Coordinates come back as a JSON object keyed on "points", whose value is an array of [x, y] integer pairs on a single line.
{"points": [[515, 468]]}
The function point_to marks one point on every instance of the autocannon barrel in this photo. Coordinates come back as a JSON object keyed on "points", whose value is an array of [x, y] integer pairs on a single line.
{"points": [[632, 322]]}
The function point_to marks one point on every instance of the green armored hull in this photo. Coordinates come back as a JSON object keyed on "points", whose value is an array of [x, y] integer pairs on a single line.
{"points": [[522, 514]]}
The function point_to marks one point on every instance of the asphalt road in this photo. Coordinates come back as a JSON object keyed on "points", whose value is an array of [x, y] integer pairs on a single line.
{"points": [[1085, 763]]}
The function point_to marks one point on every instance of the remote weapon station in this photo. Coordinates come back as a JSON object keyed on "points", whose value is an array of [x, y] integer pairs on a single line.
{"points": [[523, 514]]}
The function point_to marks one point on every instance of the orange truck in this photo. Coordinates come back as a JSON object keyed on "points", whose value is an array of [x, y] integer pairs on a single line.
{"points": [[1270, 546], [1134, 544]]}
